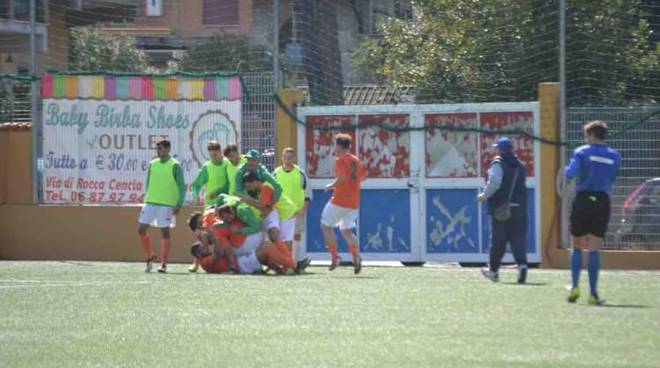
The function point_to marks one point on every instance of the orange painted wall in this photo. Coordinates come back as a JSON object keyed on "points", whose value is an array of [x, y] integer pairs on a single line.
{"points": [[81, 233]]}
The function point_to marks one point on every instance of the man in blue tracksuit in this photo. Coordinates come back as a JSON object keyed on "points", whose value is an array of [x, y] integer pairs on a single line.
{"points": [[506, 183], [595, 166]]}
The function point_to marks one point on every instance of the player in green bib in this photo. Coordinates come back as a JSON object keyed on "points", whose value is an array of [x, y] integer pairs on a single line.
{"points": [[254, 166], [278, 214], [212, 175], [234, 161], [166, 190], [294, 185]]}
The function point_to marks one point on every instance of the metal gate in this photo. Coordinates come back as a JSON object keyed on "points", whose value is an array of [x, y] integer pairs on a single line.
{"points": [[419, 202]]}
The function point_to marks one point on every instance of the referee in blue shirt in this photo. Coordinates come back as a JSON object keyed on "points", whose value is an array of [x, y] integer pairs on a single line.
{"points": [[595, 166]]}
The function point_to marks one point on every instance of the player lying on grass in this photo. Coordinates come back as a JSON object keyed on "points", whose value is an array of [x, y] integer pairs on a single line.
{"points": [[235, 222], [213, 258], [205, 235]]}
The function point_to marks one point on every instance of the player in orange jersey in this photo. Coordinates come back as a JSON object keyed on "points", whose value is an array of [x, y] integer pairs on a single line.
{"points": [[214, 258], [343, 208], [205, 237]]}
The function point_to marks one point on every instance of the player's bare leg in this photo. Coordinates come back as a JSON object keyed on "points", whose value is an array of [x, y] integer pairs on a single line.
{"points": [[353, 247], [331, 245], [150, 257]]}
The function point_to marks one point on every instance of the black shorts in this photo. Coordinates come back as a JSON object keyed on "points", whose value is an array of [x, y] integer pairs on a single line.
{"points": [[590, 214]]}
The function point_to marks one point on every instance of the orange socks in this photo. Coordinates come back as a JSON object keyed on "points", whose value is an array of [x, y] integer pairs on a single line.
{"points": [[283, 248], [146, 245], [354, 249], [275, 255], [332, 248], [165, 245]]}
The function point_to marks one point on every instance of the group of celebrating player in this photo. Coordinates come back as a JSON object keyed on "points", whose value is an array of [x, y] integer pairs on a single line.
{"points": [[251, 218]]}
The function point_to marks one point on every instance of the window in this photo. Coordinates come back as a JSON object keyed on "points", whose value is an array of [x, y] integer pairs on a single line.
{"points": [[4, 10], [22, 10], [154, 8], [221, 12]]}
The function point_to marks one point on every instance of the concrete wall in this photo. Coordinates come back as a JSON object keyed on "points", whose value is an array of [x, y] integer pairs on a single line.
{"points": [[81, 233], [28, 231]]}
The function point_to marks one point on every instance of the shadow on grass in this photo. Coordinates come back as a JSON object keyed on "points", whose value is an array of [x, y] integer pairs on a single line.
{"points": [[627, 306], [173, 273], [269, 274], [526, 284]]}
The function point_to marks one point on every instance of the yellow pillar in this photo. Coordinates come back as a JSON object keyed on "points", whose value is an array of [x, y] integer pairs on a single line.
{"points": [[287, 128], [552, 256]]}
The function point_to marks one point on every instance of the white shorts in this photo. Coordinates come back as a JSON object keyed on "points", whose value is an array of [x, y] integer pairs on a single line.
{"points": [[248, 264], [271, 221], [158, 216], [288, 229], [343, 217], [252, 242]]}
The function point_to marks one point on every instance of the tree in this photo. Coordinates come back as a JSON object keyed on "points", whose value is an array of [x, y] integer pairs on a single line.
{"points": [[224, 53], [92, 49], [457, 50]]}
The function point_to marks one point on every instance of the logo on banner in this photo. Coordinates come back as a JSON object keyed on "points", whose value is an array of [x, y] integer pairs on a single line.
{"points": [[213, 125]]}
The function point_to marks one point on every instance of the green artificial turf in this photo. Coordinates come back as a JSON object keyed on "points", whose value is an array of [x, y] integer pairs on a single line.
{"points": [[77, 314]]}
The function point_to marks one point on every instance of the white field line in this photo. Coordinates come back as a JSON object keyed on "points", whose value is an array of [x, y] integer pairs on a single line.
{"points": [[21, 283]]}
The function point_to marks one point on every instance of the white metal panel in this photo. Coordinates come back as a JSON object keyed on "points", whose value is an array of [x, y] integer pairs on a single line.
{"points": [[419, 183]]}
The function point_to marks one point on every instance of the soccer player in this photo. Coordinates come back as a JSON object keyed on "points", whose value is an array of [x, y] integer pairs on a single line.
{"points": [[250, 258], [264, 255], [253, 165], [205, 237], [166, 190], [343, 208], [240, 225], [278, 214], [234, 161], [212, 175], [505, 187], [294, 185], [209, 222], [595, 166]]}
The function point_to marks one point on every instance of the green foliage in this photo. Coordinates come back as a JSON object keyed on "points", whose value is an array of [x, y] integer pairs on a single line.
{"points": [[224, 53], [93, 49], [458, 50]]}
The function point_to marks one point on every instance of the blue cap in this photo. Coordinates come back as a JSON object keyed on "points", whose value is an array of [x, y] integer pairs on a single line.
{"points": [[504, 144]]}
